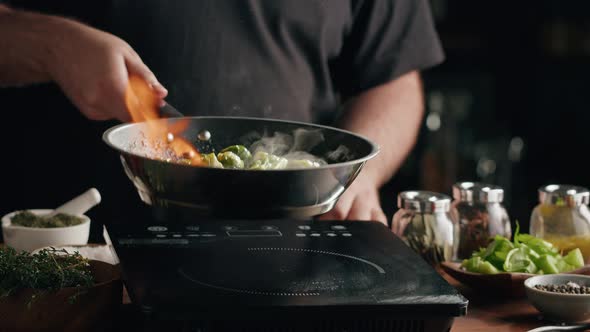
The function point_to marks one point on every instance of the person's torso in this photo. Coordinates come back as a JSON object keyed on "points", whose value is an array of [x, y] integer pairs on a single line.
{"points": [[236, 57], [267, 58], [254, 58]]}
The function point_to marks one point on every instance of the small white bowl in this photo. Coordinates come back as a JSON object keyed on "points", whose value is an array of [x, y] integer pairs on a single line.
{"points": [[559, 307], [30, 238]]}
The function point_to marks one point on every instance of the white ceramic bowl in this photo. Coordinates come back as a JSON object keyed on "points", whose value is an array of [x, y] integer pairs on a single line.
{"points": [[562, 308], [31, 238]]}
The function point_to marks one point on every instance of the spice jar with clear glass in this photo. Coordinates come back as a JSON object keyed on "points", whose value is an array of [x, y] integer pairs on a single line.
{"points": [[425, 224], [562, 218], [480, 215]]}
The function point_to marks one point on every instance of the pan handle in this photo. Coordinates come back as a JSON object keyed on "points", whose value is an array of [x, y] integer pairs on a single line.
{"points": [[169, 111]]}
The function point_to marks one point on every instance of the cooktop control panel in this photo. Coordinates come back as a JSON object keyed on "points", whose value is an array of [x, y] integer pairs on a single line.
{"points": [[162, 234]]}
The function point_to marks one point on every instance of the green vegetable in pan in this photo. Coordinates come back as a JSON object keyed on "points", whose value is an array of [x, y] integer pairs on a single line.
{"points": [[240, 150], [263, 160], [303, 163], [526, 254], [230, 160], [239, 157], [210, 159]]}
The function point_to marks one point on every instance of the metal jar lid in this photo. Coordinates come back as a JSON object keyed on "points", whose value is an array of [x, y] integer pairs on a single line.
{"points": [[423, 201], [477, 192], [561, 194]]}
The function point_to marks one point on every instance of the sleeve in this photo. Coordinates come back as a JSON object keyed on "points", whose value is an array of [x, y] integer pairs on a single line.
{"points": [[387, 38]]}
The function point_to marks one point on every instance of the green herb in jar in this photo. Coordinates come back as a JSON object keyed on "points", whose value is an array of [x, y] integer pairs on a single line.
{"points": [[29, 219]]}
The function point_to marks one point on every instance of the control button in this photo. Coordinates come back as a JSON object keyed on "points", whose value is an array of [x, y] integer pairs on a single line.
{"points": [[192, 228], [161, 236], [304, 227], [315, 234], [331, 234], [193, 235], [346, 234], [269, 228], [157, 229], [229, 228], [300, 234], [338, 227], [208, 235], [176, 235]]}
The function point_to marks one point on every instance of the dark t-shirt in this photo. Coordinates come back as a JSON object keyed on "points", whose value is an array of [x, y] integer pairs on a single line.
{"points": [[273, 58], [267, 58]]}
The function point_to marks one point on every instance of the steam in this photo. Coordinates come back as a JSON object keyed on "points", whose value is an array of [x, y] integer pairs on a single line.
{"points": [[291, 147], [294, 147], [341, 153]]}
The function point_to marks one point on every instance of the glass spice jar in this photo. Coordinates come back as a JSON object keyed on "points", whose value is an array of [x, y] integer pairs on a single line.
{"points": [[480, 215], [562, 218], [425, 224]]}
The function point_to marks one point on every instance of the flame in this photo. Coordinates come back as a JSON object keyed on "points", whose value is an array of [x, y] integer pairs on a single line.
{"points": [[142, 105]]}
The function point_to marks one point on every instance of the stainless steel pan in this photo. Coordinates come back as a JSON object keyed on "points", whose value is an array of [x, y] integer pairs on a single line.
{"points": [[234, 193]]}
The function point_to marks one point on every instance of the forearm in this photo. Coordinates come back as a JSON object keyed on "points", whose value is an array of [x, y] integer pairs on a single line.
{"points": [[389, 115], [25, 44]]}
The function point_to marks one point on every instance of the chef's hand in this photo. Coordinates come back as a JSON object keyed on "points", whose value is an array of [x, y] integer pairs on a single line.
{"points": [[359, 202], [92, 68]]}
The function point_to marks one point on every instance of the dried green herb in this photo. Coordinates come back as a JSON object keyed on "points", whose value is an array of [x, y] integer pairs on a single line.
{"points": [[29, 219], [46, 271]]}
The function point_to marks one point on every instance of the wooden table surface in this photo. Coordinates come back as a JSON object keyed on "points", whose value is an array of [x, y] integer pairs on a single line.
{"points": [[489, 312], [486, 312]]}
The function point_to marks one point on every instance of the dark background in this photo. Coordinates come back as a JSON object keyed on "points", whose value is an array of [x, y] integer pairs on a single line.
{"points": [[507, 107], [511, 99]]}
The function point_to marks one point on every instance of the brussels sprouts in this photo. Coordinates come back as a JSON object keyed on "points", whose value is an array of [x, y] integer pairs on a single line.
{"points": [[240, 150], [211, 160], [264, 161], [230, 160], [239, 157], [303, 163]]}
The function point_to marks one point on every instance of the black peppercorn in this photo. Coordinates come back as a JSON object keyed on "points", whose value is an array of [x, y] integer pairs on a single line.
{"points": [[569, 288]]}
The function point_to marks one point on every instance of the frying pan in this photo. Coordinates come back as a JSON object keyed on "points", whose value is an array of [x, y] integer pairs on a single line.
{"points": [[241, 193]]}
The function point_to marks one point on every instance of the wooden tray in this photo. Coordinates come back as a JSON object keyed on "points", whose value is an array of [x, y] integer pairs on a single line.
{"points": [[92, 310], [504, 284]]}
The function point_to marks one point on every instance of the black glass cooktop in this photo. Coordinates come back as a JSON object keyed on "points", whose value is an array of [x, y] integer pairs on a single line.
{"points": [[202, 269]]}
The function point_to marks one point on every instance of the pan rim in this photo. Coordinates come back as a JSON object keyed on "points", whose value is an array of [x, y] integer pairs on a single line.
{"points": [[375, 149]]}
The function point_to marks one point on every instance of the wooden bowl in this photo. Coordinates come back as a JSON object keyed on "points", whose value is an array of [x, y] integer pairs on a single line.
{"points": [[92, 310], [503, 284]]}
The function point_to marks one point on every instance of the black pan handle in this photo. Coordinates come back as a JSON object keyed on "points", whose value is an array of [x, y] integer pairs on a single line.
{"points": [[169, 111]]}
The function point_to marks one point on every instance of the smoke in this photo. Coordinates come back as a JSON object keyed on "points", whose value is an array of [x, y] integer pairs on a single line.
{"points": [[290, 147], [296, 146], [341, 154]]}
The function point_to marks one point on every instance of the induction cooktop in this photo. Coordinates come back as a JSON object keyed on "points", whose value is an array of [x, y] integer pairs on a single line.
{"points": [[279, 275]]}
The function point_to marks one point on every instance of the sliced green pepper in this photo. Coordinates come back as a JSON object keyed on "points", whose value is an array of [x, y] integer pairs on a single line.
{"points": [[563, 266], [526, 254], [548, 264], [478, 265], [574, 258], [540, 246], [517, 260], [497, 251]]}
